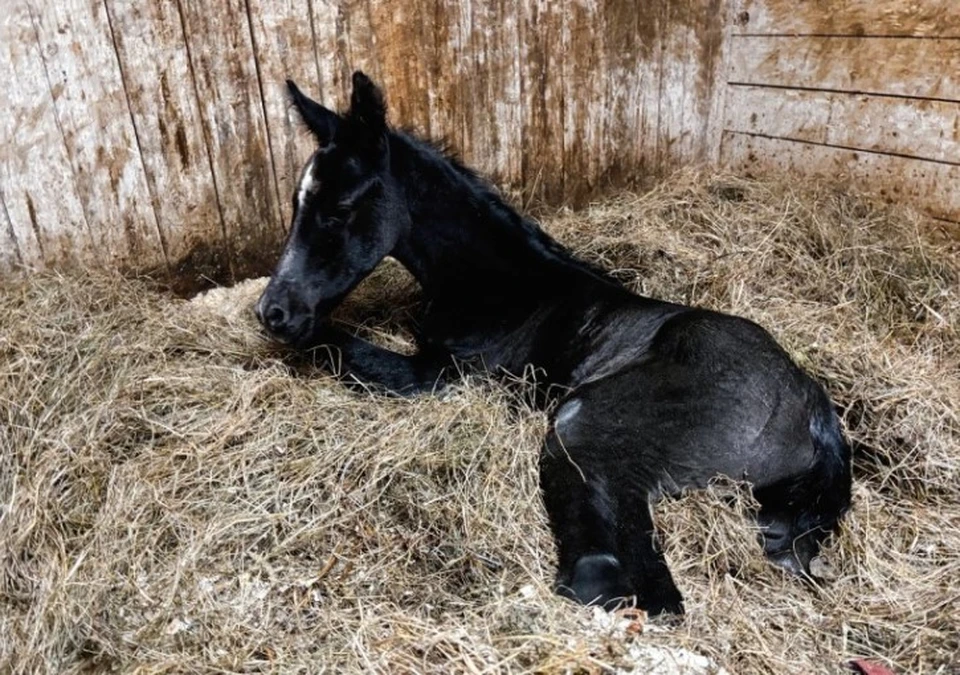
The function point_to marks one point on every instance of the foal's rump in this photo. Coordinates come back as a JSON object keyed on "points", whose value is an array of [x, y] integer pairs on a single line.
{"points": [[715, 395]]}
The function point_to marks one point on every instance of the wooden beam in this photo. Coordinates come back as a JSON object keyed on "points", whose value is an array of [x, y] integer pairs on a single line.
{"points": [[902, 18], [924, 129], [895, 66]]}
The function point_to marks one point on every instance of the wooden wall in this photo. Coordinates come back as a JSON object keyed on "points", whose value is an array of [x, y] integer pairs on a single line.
{"points": [[860, 89], [156, 133]]}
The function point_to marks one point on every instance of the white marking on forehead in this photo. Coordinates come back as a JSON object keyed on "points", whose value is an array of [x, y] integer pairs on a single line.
{"points": [[308, 184]]}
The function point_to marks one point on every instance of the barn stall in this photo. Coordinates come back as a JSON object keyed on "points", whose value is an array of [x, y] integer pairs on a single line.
{"points": [[178, 496]]}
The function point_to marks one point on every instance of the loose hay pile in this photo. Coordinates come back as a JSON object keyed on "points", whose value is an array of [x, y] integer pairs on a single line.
{"points": [[177, 496]]}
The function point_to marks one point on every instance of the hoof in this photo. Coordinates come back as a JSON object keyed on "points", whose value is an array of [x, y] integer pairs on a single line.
{"points": [[597, 580], [664, 600]]}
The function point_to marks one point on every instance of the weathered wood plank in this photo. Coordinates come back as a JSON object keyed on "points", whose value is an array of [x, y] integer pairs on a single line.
{"points": [[895, 66], [649, 25], [546, 75], [926, 129], [904, 18], [622, 91], [283, 47], [224, 74], [40, 198], [897, 179], [681, 50], [326, 24], [584, 109], [358, 41], [716, 55], [673, 133], [10, 258], [400, 38], [92, 112], [491, 72], [166, 117], [445, 66]]}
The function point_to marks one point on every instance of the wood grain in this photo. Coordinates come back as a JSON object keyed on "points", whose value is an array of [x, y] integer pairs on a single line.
{"points": [[897, 179], [224, 73], [895, 66], [903, 18], [10, 257], [101, 143], [549, 120], [283, 45], [924, 129], [41, 204], [165, 114]]}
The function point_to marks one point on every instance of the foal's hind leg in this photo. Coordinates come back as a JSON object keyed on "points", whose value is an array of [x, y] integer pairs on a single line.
{"points": [[605, 543], [798, 513]]}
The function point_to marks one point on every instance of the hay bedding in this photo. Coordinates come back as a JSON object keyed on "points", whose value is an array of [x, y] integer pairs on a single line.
{"points": [[175, 496]]}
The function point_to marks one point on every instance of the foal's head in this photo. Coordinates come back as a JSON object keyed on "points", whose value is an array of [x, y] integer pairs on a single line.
{"points": [[347, 214]]}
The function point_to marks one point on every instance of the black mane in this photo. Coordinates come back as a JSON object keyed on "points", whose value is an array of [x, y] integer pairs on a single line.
{"points": [[484, 195]]}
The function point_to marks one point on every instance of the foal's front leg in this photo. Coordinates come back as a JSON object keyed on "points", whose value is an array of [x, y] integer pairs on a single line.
{"points": [[351, 357]]}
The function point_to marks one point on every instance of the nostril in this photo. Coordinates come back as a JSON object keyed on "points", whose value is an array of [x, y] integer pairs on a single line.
{"points": [[275, 317]]}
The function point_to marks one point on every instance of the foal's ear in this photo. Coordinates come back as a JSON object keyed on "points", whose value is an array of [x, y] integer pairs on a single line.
{"points": [[321, 121], [367, 106]]}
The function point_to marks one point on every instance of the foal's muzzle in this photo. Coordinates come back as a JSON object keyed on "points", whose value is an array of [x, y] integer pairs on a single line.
{"points": [[281, 321]]}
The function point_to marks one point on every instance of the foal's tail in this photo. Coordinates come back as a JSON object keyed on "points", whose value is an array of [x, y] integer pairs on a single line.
{"points": [[799, 513], [834, 456]]}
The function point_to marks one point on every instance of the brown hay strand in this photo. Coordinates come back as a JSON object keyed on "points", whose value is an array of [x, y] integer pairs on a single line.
{"points": [[176, 495]]}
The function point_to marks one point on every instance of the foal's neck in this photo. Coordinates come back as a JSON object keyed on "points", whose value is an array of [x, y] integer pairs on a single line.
{"points": [[464, 238]]}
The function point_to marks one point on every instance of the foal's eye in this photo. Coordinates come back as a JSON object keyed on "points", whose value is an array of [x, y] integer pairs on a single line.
{"points": [[326, 240]]}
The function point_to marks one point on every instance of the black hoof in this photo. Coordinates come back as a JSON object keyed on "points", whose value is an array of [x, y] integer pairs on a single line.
{"points": [[663, 600], [597, 579]]}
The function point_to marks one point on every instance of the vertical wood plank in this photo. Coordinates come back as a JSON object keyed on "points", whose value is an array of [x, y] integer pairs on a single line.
{"points": [[463, 70], [491, 74], [649, 28], [583, 96], [400, 33], [717, 68], [156, 72], [91, 108], [329, 53], [10, 257], [672, 90], [444, 46], [545, 70], [45, 214], [225, 77], [284, 48], [361, 46], [623, 80]]}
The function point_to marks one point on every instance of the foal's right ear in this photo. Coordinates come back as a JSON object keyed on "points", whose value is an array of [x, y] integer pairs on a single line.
{"points": [[321, 121]]}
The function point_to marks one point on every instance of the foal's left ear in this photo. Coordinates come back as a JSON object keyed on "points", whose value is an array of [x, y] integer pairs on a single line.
{"points": [[321, 121], [368, 109]]}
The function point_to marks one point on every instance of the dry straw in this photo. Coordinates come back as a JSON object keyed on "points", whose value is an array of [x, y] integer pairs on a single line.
{"points": [[177, 496]]}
